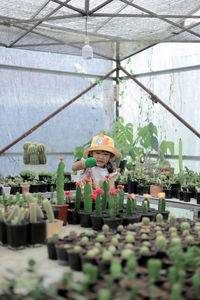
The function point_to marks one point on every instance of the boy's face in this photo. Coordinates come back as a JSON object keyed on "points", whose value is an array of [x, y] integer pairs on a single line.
{"points": [[102, 157]]}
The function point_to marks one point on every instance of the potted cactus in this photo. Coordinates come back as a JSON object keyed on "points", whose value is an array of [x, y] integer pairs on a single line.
{"points": [[85, 219], [96, 218], [131, 217], [112, 221], [16, 228], [73, 216], [52, 225], [37, 226], [162, 206], [60, 207]]}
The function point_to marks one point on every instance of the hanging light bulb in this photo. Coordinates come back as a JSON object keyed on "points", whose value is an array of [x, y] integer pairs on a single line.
{"points": [[87, 51]]}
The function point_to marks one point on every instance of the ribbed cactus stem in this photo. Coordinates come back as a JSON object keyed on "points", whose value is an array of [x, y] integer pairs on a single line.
{"points": [[128, 208], [112, 207], [60, 183], [49, 210], [13, 212], [87, 195], [145, 207], [19, 218], [121, 199], [161, 205], [78, 198], [39, 212], [2, 216], [105, 187], [26, 157], [33, 213], [133, 204]]}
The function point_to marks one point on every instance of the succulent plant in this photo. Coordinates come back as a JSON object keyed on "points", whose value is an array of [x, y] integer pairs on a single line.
{"points": [[60, 182]]}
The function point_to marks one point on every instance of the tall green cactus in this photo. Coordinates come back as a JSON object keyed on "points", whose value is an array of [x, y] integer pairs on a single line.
{"points": [[60, 182], [121, 197], [87, 198], [105, 187], [112, 205], [128, 207], [98, 202], [145, 207], [32, 150], [78, 197]]}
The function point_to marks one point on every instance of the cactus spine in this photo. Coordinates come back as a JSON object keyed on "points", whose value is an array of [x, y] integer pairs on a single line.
{"points": [[60, 182], [87, 195], [121, 198], [112, 206]]}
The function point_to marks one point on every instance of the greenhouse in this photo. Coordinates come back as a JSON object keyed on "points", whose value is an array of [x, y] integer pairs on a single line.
{"points": [[99, 155]]}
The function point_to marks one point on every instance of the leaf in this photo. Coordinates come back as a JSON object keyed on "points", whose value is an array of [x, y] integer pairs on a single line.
{"points": [[154, 142]]}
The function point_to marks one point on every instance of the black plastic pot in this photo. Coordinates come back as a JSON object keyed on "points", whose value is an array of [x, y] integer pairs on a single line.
{"points": [[132, 187], [113, 224], [168, 193], [36, 233], [165, 214], [15, 189], [187, 196], [74, 261], [151, 215], [62, 255], [198, 197], [85, 219], [16, 235], [51, 250], [97, 222], [34, 188], [3, 234], [131, 220], [73, 217]]}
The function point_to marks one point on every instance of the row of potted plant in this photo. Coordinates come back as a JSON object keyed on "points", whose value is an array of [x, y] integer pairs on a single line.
{"points": [[148, 259]]}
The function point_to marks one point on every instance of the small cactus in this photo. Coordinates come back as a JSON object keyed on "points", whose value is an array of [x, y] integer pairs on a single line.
{"points": [[145, 207], [98, 202], [49, 210], [116, 269], [105, 228], [172, 220], [78, 197], [161, 242], [106, 255], [159, 218], [87, 197], [129, 207]]}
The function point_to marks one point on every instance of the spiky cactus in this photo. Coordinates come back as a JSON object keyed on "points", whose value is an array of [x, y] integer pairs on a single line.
{"points": [[35, 212], [49, 210], [33, 152], [98, 202], [26, 155], [161, 202], [17, 220], [145, 207], [129, 207], [87, 197], [121, 196], [112, 205], [78, 197], [105, 196], [41, 153], [60, 182]]}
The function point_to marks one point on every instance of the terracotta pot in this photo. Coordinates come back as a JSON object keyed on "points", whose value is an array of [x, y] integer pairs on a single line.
{"points": [[62, 212], [25, 188], [155, 189], [55, 227]]}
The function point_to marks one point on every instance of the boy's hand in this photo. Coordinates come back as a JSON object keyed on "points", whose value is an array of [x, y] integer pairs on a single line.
{"points": [[90, 162]]}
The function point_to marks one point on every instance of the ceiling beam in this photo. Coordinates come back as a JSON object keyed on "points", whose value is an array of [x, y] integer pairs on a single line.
{"points": [[39, 22], [99, 7], [163, 19], [82, 12]]}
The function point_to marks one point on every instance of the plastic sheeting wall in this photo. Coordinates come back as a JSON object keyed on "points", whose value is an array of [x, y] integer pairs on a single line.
{"points": [[27, 97], [180, 91]]}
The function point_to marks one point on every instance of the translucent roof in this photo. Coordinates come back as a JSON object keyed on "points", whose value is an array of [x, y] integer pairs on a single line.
{"points": [[116, 29]]}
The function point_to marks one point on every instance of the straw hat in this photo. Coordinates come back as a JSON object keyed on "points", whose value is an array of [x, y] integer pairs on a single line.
{"points": [[102, 142]]}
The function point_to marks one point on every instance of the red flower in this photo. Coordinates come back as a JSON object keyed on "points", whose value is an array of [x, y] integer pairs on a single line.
{"points": [[67, 193], [93, 196], [129, 196], [86, 180], [117, 190], [107, 176], [112, 191], [61, 159], [99, 191], [78, 183], [120, 186]]}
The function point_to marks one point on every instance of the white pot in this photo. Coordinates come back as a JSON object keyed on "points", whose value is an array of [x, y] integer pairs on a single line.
{"points": [[6, 190]]}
